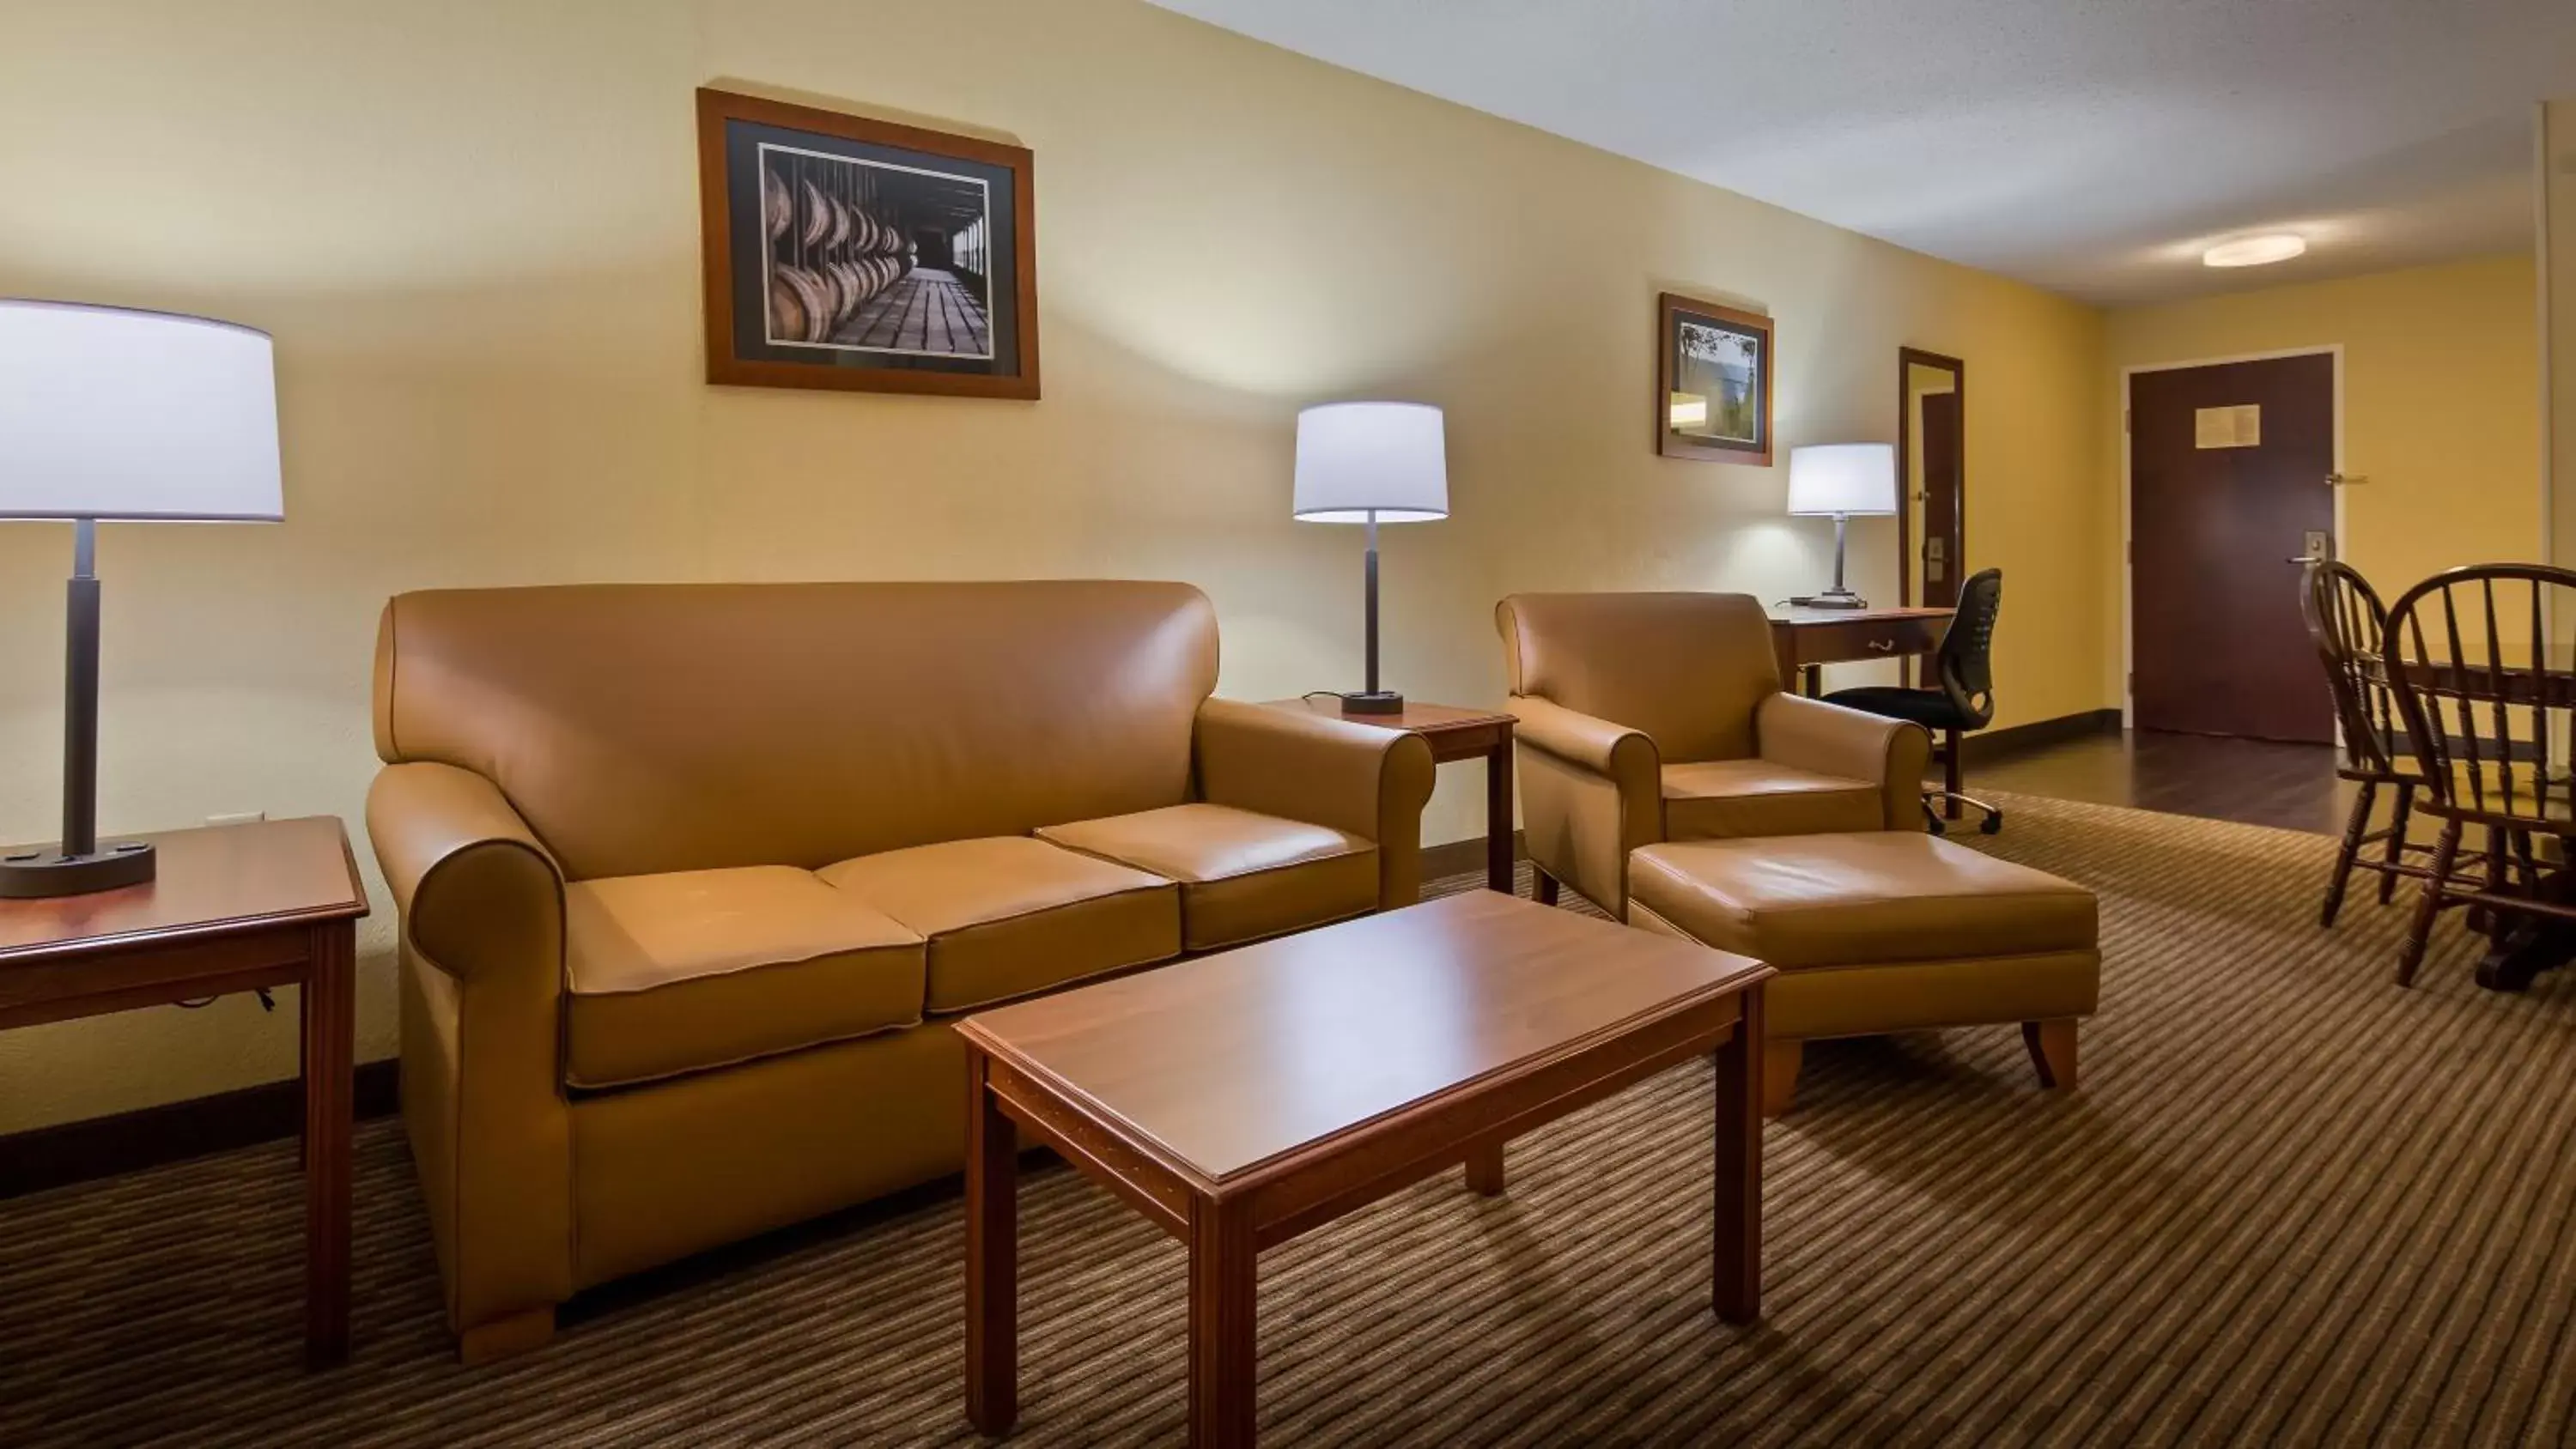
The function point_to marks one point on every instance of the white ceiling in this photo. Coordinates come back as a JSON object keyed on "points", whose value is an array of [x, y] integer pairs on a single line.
{"points": [[2092, 147]]}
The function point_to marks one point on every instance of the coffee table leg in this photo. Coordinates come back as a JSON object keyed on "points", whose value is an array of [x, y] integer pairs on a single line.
{"points": [[1222, 1338], [992, 1256], [1738, 1230], [1485, 1170]]}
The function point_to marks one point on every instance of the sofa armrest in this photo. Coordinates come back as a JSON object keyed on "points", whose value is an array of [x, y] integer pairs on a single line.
{"points": [[475, 887], [482, 1023], [1591, 791], [1830, 739], [1362, 780]]}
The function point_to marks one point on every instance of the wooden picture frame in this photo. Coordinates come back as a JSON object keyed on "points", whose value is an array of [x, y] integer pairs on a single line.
{"points": [[1732, 422], [860, 255]]}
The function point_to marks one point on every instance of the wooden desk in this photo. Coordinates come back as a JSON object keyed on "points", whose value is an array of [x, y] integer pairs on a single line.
{"points": [[1241, 1099], [235, 908], [1807, 639], [1453, 734]]}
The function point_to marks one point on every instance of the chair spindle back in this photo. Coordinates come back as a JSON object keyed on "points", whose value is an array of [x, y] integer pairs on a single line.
{"points": [[2349, 625], [2486, 696]]}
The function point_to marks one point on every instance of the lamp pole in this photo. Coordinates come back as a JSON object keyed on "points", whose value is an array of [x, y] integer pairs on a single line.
{"points": [[1370, 609], [80, 693]]}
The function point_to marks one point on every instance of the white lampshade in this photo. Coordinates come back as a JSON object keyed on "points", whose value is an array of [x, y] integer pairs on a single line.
{"points": [[111, 413], [1849, 478], [1383, 458]]}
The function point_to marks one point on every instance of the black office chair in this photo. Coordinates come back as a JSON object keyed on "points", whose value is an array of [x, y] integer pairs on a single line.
{"points": [[1965, 700]]}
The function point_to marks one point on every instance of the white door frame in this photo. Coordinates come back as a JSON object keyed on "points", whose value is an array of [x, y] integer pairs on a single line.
{"points": [[2128, 547]]}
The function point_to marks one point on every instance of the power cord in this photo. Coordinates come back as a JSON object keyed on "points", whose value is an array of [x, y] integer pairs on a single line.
{"points": [[266, 1001]]}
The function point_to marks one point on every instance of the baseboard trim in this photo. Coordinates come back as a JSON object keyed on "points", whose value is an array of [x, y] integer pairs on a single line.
{"points": [[1461, 856], [1990, 745], [49, 1157]]}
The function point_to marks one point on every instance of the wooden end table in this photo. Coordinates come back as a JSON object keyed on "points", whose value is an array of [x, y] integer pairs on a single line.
{"points": [[235, 908], [1241, 1099], [1453, 734]]}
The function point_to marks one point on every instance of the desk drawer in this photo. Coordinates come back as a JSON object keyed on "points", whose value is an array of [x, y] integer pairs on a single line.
{"points": [[1864, 639]]}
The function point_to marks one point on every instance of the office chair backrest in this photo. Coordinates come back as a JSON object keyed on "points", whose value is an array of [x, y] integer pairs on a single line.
{"points": [[2345, 618], [1966, 661]]}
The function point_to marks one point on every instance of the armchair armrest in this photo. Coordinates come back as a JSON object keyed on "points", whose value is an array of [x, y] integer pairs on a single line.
{"points": [[1591, 791], [475, 887], [1833, 740], [1362, 780], [1615, 750]]}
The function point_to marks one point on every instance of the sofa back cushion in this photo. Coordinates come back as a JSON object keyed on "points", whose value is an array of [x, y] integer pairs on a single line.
{"points": [[1687, 669], [660, 727]]}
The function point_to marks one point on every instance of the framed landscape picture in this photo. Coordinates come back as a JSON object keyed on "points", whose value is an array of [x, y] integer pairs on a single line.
{"points": [[1712, 382], [847, 253]]}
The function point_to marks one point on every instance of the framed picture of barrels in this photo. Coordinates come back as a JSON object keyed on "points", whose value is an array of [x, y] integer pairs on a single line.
{"points": [[848, 253], [1712, 382]]}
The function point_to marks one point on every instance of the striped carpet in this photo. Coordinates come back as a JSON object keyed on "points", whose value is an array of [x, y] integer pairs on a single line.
{"points": [[2292, 1205]]}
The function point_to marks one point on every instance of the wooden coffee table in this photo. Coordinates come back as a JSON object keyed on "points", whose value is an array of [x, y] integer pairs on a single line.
{"points": [[1241, 1099]]}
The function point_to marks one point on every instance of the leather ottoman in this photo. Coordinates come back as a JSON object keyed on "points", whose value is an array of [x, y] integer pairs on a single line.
{"points": [[1879, 932]]}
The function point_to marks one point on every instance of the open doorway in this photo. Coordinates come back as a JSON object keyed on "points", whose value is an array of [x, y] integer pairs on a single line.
{"points": [[1931, 444]]}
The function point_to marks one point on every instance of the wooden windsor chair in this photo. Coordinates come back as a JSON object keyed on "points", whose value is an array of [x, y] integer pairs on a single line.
{"points": [[2347, 621], [2488, 701]]}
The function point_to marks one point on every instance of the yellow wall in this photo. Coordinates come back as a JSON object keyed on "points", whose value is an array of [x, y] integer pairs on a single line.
{"points": [[2556, 183], [2440, 408], [472, 227]]}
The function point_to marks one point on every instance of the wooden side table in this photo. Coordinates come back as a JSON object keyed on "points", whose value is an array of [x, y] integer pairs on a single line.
{"points": [[235, 908], [1453, 734]]}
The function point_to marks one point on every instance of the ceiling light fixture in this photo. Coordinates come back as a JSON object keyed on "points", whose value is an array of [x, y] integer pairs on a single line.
{"points": [[2254, 251]]}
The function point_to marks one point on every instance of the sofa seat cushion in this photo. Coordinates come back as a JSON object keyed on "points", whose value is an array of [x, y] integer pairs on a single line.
{"points": [[1011, 916], [1717, 799], [705, 968], [1879, 896], [1243, 875]]}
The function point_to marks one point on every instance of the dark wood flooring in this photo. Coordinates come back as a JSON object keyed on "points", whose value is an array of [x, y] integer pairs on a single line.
{"points": [[2255, 782]]}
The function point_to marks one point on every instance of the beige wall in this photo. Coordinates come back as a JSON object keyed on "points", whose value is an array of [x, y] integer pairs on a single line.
{"points": [[473, 229], [2556, 184], [2440, 407]]}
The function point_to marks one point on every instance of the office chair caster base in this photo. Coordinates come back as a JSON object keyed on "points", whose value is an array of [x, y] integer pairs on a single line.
{"points": [[1990, 823]]}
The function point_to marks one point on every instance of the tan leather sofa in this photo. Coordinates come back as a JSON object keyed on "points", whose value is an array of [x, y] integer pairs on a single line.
{"points": [[1653, 717], [693, 879], [1666, 776]]}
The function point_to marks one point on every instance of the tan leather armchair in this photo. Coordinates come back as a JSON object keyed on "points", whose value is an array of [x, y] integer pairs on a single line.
{"points": [[692, 881], [1649, 717]]}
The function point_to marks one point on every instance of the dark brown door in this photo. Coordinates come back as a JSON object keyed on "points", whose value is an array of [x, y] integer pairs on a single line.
{"points": [[1940, 446], [2227, 488]]}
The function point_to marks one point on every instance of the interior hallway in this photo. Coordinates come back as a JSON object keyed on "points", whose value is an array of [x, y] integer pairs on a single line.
{"points": [[2254, 782]]}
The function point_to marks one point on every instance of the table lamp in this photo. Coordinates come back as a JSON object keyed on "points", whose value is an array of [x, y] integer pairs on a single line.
{"points": [[1371, 463], [110, 413], [1840, 480]]}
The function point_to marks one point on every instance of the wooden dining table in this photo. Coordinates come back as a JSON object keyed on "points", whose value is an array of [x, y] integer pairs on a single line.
{"points": [[2523, 943]]}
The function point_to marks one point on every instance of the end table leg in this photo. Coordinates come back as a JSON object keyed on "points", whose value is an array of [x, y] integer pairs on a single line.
{"points": [[1222, 1336], [992, 1256], [1485, 1170], [329, 1002], [1738, 1230], [1498, 817]]}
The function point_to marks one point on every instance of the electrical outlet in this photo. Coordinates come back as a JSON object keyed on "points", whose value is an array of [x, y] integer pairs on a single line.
{"points": [[247, 817]]}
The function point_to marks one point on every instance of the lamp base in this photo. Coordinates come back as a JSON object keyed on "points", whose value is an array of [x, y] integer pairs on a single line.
{"points": [[1830, 599], [35, 874], [1384, 701]]}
